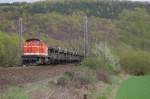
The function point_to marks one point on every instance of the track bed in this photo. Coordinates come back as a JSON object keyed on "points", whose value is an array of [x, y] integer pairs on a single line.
{"points": [[23, 75]]}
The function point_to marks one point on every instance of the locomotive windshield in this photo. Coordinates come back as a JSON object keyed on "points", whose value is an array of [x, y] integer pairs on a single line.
{"points": [[33, 39]]}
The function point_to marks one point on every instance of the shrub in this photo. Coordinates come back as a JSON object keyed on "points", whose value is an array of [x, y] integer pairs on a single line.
{"points": [[102, 58], [69, 74], [9, 54], [62, 81], [135, 62], [93, 63], [83, 77], [103, 62], [100, 66]]}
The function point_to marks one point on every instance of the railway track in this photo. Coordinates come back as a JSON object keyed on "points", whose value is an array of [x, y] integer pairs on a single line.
{"points": [[23, 75]]}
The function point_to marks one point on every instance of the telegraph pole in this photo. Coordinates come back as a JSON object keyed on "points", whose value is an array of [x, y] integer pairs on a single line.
{"points": [[86, 43], [20, 33], [20, 39]]}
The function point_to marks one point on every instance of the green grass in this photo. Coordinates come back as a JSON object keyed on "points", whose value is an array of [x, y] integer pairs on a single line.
{"points": [[135, 88], [13, 93]]}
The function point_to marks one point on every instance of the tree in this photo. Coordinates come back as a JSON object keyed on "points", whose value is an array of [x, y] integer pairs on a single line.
{"points": [[9, 54], [135, 25]]}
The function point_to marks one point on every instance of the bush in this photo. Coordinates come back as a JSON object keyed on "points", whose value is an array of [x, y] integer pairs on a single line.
{"points": [[100, 67], [83, 77], [103, 58], [135, 62], [62, 81], [104, 62], [9, 54], [93, 63]]}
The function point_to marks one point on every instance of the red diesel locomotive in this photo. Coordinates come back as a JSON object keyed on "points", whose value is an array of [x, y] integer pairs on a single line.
{"points": [[35, 47], [36, 52]]}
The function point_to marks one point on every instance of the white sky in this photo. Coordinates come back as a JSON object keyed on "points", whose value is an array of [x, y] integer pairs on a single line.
{"points": [[10, 1], [141, 0]]}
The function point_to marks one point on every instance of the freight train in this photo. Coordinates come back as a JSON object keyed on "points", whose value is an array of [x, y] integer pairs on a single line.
{"points": [[36, 52]]}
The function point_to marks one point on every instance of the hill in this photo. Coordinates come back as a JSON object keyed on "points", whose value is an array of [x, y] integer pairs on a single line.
{"points": [[62, 21]]}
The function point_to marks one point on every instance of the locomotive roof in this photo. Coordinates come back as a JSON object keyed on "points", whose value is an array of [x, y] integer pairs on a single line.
{"points": [[33, 39]]}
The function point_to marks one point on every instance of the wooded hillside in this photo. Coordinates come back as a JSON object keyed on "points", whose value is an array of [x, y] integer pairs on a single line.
{"points": [[123, 25]]}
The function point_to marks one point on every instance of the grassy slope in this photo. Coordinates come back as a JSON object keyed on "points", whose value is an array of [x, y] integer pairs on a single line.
{"points": [[135, 88]]}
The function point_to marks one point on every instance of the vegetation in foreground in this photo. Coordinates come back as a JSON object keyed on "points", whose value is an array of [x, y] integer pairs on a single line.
{"points": [[13, 93]]}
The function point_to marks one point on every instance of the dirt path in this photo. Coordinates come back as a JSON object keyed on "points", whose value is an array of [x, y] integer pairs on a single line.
{"points": [[23, 75]]}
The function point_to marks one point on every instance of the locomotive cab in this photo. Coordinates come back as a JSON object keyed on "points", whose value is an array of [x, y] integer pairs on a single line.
{"points": [[35, 51]]}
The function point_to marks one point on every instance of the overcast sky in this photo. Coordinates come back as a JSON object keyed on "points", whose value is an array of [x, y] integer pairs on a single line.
{"points": [[10, 1], [141, 0]]}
